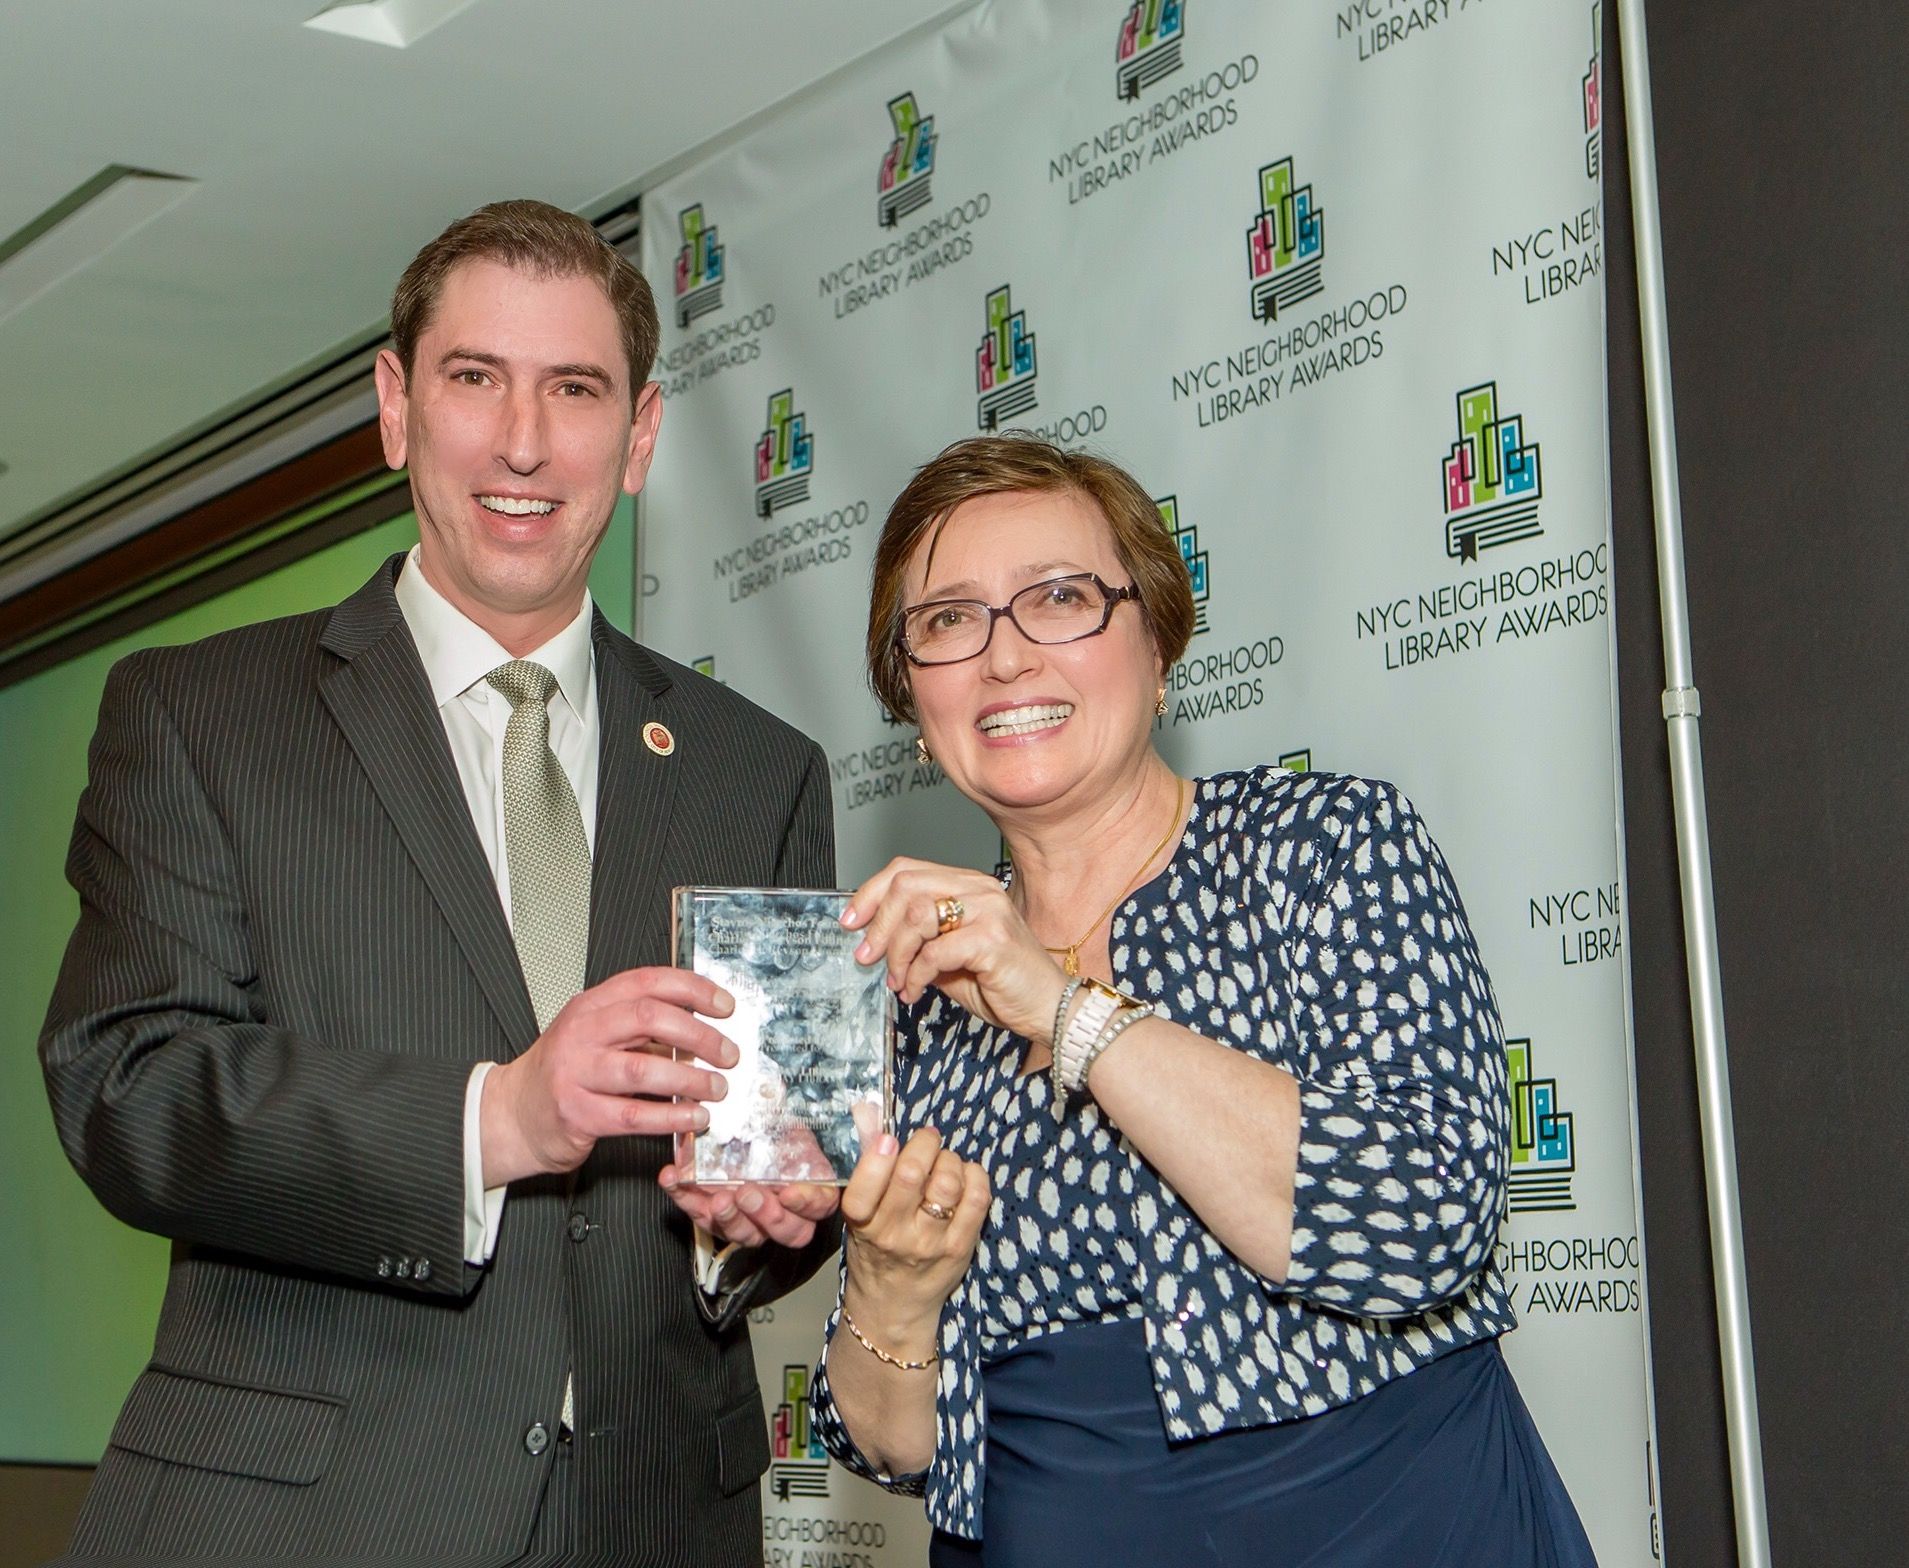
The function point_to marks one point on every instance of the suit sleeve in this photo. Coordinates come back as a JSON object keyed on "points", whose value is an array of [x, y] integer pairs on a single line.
{"points": [[179, 1102], [806, 859]]}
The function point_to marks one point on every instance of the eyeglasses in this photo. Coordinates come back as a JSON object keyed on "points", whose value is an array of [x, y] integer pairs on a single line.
{"points": [[1062, 609]]}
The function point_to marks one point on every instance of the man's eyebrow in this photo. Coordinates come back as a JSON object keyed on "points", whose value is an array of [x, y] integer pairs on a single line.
{"points": [[581, 372], [477, 356]]}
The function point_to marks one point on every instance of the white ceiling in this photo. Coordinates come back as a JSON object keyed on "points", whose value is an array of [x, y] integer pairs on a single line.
{"points": [[323, 163]]}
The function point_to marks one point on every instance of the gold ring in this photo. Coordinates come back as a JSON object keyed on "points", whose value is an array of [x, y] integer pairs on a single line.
{"points": [[940, 1211], [948, 915]]}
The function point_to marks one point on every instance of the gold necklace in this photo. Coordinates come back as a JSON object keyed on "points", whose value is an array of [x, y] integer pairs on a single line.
{"points": [[1071, 962]]}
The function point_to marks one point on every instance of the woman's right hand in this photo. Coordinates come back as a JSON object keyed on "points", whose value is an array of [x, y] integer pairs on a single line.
{"points": [[903, 1260]]}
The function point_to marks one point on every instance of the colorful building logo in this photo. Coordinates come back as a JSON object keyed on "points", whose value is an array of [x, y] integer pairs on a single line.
{"points": [[798, 1464], [1543, 1142], [1149, 47], [1286, 245], [699, 267], [909, 164], [785, 456], [1004, 366], [1490, 477], [1594, 94], [1297, 761], [1187, 537]]}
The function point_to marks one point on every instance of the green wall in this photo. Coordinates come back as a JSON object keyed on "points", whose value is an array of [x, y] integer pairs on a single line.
{"points": [[79, 1292]]}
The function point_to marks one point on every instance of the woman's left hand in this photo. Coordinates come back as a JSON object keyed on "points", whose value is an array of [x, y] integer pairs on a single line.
{"points": [[989, 962]]}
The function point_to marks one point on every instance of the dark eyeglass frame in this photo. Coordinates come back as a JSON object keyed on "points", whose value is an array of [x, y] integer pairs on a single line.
{"points": [[1112, 598]]}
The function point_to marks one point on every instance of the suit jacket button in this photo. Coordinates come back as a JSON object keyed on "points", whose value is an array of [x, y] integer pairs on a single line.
{"points": [[537, 1439], [404, 1268], [579, 1227], [421, 1270], [384, 1268]]}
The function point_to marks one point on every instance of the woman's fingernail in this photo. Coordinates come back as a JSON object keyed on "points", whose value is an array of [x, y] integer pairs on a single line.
{"points": [[749, 1202], [864, 953], [850, 918], [888, 1143]]}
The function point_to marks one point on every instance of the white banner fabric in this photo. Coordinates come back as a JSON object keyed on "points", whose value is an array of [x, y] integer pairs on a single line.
{"points": [[1328, 277]]}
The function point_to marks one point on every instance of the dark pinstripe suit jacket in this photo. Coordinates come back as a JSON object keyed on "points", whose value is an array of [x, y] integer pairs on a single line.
{"points": [[290, 952]]}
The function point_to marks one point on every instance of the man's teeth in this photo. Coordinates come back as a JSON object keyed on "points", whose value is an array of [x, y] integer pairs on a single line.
{"points": [[512, 506], [1025, 721]]}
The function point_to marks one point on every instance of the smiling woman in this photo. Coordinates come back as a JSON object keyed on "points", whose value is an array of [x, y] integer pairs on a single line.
{"points": [[1202, 1110]]}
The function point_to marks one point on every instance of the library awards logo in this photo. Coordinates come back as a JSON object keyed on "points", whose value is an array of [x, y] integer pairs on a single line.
{"points": [[1491, 479], [1594, 94], [699, 267], [1543, 1138], [1286, 245], [1187, 537], [1151, 35], [909, 164], [785, 456], [798, 1464], [1297, 761], [1004, 365]]}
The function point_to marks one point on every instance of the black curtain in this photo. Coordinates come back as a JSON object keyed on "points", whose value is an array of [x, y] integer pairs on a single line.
{"points": [[1781, 142]]}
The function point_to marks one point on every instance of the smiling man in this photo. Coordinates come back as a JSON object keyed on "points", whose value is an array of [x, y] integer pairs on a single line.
{"points": [[366, 1007]]}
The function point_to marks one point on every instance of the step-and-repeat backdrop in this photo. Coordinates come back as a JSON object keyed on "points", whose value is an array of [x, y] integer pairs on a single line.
{"points": [[1326, 275]]}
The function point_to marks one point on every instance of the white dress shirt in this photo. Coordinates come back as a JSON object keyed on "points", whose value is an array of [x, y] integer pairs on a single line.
{"points": [[458, 654]]}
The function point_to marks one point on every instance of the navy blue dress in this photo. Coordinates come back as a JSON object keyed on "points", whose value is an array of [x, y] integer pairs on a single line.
{"points": [[1115, 1386]]}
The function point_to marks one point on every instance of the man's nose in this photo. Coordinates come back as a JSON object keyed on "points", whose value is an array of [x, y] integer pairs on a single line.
{"points": [[524, 440]]}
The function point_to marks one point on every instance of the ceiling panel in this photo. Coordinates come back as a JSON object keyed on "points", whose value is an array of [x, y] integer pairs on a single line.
{"points": [[323, 163]]}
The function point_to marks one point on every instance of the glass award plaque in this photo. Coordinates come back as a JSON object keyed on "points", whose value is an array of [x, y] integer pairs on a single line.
{"points": [[812, 1026]]}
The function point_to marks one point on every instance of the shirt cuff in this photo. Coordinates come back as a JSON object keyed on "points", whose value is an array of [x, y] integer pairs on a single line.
{"points": [[709, 1262], [483, 1206]]}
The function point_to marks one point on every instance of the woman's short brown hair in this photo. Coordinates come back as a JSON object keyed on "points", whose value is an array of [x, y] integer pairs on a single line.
{"points": [[544, 241], [1010, 465]]}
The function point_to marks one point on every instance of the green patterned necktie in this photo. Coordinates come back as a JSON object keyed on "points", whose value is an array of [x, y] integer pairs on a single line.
{"points": [[548, 854]]}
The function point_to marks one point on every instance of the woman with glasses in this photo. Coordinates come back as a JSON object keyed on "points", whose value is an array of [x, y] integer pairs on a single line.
{"points": [[1181, 1252]]}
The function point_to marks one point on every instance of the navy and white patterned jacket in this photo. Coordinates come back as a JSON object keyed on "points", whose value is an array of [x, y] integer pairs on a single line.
{"points": [[1309, 920]]}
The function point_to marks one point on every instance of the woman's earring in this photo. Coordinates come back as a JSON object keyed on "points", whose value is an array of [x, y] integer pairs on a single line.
{"points": [[921, 751], [1160, 704]]}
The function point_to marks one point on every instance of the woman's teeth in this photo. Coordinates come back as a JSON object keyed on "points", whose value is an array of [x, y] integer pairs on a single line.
{"points": [[1025, 721]]}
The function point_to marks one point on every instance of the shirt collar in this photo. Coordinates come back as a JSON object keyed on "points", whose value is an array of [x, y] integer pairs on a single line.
{"points": [[458, 653]]}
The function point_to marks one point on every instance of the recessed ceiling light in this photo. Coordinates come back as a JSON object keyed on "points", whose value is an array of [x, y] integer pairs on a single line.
{"points": [[398, 23], [81, 227]]}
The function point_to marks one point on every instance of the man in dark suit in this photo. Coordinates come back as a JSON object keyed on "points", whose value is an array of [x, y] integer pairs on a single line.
{"points": [[364, 1008]]}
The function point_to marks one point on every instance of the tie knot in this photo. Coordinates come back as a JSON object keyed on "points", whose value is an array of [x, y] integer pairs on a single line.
{"points": [[523, 680]]}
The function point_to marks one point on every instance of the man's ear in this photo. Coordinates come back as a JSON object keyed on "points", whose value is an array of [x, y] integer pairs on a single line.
{"points": [[644, 420], [392, 400]]}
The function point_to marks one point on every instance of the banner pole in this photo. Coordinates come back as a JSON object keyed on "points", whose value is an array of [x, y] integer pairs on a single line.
{"points": [[1681, 713]]}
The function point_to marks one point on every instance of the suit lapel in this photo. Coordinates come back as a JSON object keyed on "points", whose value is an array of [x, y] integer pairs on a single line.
{"points": [[382, 702], [636, 792]]}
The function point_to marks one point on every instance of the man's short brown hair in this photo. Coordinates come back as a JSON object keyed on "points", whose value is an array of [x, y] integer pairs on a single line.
{"points": [[544, 241], [1010, 465]]}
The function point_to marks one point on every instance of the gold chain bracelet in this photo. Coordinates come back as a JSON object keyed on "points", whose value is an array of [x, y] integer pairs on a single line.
{"points": [[880, 1354]]}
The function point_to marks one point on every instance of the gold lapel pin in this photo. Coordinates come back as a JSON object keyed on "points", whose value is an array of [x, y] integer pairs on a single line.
{"points": [[658, 738]]}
